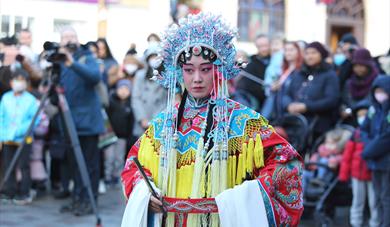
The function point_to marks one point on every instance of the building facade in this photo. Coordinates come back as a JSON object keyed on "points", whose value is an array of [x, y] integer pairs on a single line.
{"points": [[130, 21]]}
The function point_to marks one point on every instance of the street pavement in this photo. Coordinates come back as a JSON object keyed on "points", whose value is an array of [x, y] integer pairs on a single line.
{"points": [[44, 212]]}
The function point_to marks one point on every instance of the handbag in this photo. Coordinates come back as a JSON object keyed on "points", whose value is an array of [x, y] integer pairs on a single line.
{"points": [[108, 137]]}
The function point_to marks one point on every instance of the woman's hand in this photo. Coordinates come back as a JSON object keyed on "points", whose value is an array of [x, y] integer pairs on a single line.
{"points": [[275, 86], [145, 123], [297, 108], [155, 205]]}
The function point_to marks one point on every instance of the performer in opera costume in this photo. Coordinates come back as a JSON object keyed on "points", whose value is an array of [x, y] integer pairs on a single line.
{"points": [[213, 161]]}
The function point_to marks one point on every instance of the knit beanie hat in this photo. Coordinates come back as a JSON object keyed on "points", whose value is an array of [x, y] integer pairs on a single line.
{"points": [[124, 82], [320, 48], [348, 38], [362, 56], [19, 72]]}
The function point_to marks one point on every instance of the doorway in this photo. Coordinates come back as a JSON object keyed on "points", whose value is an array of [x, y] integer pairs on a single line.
{"points": [[336, 32]]}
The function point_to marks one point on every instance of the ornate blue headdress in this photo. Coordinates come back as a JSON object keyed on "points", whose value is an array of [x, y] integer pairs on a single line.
{"points": [[197, 31]]}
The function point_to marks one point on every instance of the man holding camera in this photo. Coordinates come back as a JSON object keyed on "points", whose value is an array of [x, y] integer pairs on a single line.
{"points": [[348, 44], [79, 75]]}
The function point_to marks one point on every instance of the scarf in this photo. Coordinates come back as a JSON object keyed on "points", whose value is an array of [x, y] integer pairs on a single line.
{"points": [[359, 87]]}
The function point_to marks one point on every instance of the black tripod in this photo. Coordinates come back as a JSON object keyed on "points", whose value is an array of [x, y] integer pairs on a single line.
{"points": [[55, 89]]}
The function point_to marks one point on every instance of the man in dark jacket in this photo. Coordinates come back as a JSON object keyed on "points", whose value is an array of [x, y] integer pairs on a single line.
{"points": [[79, 75], [256, 67], [376, 135], [348, 44]]}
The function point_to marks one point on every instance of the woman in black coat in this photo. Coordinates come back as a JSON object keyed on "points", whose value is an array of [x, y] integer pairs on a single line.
{"points": [[314, 91]]}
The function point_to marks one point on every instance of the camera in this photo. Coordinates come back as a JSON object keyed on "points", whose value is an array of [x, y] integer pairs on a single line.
{"points": [[52, 49]]}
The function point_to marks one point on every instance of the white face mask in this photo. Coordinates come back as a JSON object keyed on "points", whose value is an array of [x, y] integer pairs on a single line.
{"points": [[19, 85], [130, 68], [381, 97], [15, 65], [361, 119], [154, 63]]}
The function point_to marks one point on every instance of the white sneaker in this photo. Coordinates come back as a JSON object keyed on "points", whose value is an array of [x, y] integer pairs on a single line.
{"points": [[23, 200], [102, 187]]}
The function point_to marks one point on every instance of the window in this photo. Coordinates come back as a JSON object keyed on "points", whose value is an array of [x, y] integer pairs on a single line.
{"points": [[260, 17], [18, 24], [4, 26]]}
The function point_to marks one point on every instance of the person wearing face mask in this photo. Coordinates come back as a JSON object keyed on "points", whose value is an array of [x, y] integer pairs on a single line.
{"points": [[347, 45], [17, 108], [376, 136], [149, 98], [12, 60], [131, 65], [130, 69], [355, 167]]}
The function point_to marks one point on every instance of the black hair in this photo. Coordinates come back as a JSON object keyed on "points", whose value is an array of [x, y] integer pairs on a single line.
{"points": [[91, 43], [131, 51], [262, 36], [153, 35], [19, 72], [205, 52], [25, 30], [9, 40], [108, 50]]}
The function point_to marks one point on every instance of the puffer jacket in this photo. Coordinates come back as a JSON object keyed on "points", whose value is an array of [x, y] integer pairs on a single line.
{"points": [[376, 129], [352, 163]]}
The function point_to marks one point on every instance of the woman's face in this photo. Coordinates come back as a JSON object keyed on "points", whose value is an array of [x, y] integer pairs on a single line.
{"points": [[360, 70], [312, 57], [290, 52], [198, 77], [101, 50]]}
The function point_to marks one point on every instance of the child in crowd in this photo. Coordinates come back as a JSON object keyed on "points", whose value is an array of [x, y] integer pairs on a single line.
{"points": [[121, 117], [330, 153], [17, 108], [376, 137], [352, 165]]}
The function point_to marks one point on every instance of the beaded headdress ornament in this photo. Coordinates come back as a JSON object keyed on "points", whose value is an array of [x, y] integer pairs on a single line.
{"points": [[192, 33]]}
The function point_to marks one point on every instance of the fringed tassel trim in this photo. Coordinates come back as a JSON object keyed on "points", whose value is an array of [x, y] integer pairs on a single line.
{"points": [[250, 157], [259, 152], [149, 157]]}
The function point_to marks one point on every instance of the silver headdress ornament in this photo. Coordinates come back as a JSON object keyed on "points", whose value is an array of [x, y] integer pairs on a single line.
{"points": [[197, 31]]}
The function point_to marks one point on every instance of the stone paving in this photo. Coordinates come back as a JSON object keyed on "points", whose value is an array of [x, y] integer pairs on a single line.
{"points": [[44, 212]]}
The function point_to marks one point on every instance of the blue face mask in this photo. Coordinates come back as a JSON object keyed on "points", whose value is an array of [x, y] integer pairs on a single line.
{"points": [[339, 59]]}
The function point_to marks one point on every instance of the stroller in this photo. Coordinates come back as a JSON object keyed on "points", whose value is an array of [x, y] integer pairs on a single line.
{"points": [[323, 192], [297, 129]]}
